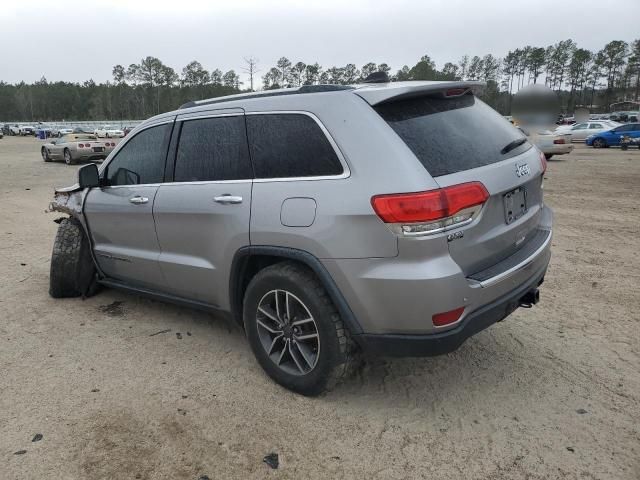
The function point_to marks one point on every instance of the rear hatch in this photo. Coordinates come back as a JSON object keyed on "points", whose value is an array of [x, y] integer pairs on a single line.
{"points": [[458, 139]]}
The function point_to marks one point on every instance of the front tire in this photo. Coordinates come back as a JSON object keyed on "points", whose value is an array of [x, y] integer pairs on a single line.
{"points": [[599, 143], [45, 155], [72, 271], [294, 329]]}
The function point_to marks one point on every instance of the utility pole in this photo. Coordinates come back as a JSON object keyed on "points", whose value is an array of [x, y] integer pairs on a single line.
{"points": [[251, 69]]}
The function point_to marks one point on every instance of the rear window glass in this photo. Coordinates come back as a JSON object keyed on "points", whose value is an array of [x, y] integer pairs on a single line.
{"points": [[290, 145], [449, 135]]}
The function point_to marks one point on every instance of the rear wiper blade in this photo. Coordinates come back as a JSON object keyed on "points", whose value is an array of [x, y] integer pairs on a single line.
{"points": [[513, 145]]}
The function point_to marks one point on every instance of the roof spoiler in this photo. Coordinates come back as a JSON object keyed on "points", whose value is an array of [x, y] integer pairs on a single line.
{"points": [[375, 95]]}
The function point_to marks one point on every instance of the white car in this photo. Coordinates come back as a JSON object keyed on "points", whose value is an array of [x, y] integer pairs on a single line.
{"points": [[108, 131], [62, 131], [580, 131], [27, 130], [550, 143]]}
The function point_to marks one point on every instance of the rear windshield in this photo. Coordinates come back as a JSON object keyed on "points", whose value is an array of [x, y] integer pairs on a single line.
{"points": [[449, 135]]}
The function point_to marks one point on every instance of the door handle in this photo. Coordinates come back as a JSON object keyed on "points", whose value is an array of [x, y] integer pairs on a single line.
{"points": [[138, 200], [227, 199]]}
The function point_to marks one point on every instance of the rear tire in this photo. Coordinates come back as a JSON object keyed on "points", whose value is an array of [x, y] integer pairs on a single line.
{"points": [[68, 159], [308, 366], [599, 143], [72, 273]]}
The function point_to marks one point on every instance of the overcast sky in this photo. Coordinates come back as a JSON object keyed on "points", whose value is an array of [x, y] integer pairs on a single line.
{"points": [[76, 40]]}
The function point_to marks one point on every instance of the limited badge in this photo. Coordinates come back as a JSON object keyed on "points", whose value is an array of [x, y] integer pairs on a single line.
{"points": [[455, 235]]}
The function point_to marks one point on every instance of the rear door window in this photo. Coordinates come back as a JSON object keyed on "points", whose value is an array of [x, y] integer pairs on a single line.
{"points": [[449, 135], [213, 149], [290, 145]]}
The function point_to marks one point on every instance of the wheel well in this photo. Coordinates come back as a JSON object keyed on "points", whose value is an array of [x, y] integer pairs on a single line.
{"points": [[247, 267], [250, 260]]}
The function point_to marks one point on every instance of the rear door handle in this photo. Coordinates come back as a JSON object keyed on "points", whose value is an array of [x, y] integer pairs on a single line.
{"points": [[138, 200], [227, 199]]}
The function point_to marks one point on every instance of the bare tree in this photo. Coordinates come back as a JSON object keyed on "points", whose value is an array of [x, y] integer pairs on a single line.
{"points": [[251, 69]]}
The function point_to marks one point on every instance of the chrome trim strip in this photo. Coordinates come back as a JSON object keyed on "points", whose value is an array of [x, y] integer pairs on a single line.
{"points": [[516, 268], [208, 114], [437, 230], [206, 182]]}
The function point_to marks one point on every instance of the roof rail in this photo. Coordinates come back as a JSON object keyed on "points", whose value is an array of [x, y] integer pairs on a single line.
{"points": [[275, 93]]}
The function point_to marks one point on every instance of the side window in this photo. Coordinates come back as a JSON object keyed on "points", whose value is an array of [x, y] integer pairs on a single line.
{"points": [[624, 128], [213, 149], [595, 125], [580, 126], [142, 159], [290, 145]]}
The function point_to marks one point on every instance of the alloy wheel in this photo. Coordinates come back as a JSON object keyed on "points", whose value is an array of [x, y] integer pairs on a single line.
{"points": [[288, 332]]}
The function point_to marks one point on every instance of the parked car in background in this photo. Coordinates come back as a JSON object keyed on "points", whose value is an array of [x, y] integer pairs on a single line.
{"points": [[566, 120], [109, 131], [27, 130], [549, 143], [127, 130], [83, 129], [6, 129], [625, 117], [14, 130], [580, 131], [612, 138], [1, 134], [75, 148]]}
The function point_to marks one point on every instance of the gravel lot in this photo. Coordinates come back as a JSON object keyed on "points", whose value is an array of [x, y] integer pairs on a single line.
{"points": [[552, 392]]}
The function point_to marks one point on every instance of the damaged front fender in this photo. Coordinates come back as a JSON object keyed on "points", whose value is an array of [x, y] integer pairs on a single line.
{"points": [[68, 200]]}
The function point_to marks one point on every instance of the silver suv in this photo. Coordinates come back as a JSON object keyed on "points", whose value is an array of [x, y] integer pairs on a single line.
{"points": [[391, 218]]}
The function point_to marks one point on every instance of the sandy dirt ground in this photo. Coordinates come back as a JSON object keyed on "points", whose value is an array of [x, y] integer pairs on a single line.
{"points": [[552, 392]]}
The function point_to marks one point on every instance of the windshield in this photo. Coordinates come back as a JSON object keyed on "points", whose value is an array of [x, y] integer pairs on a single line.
{"points": [[449, 135]]}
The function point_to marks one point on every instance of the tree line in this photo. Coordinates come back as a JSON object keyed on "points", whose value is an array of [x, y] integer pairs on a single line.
{"points": [[579, 76]]}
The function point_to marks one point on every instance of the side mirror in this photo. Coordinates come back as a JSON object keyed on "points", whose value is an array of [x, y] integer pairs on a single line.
{"points": [[88, 176]]}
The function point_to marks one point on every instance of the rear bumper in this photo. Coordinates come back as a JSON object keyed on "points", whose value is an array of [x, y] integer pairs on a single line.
{"points": [[444, 342], [90, 157], [560, 149]]}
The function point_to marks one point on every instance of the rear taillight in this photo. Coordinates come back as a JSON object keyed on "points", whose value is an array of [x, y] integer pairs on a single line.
{"points": [[81, 145], [447, 318], [543, 162], [431, 211], [559, 141]]}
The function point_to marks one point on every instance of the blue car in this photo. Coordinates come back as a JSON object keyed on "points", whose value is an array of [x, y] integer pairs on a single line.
{"points": [[611, 138]]}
